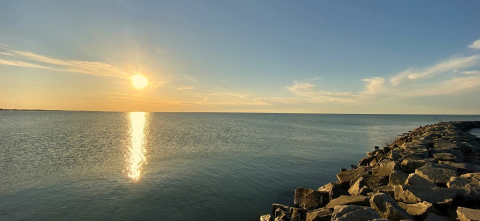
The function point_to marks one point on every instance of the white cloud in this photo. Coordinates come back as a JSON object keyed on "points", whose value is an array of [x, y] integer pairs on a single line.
{"points": [[475, 44], [32, 60], [190, 78], [374, 86], [184, 88], [471, 72], [451, 64], [310, 91]]}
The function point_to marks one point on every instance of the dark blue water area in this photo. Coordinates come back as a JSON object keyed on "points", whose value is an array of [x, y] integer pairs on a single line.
{"points": [[177, 166]]}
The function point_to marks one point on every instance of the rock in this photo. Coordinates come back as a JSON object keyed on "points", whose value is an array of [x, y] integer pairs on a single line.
{"points": [[281, 215], [434, 195], [266, 217], [354, 213], [416, 180], [334, 190], [466, 214], [438, 174], [434, 217], [385, 168], [385, 189], [394, 155], [421, 209], [373, 181], [411, 165], [468, 184], [308, 199], [359, 188], [446, 157], [342, 169], [297, 214], [348, 200], [353, 167], [322, 214], [366, 161], [397, 178], [462, 168], [350, 176], [377, 147], [387, 207]]}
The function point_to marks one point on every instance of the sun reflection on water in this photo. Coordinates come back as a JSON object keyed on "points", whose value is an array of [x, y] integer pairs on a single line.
{"points": [[136, 155]]}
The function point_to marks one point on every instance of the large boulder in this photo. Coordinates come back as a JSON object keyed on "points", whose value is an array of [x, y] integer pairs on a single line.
{"points": [[438, 174], [354, 213], [415, 194], [387, 207], [397, 178], [468, 184], [416, 180], [462, 167], [280, 212], [348, 200], [322, 214], [434, 217], [334, 190], [421, 209], [385, 168], [466, 214], [447, 157], [411, 165], [359, 188], [349, 177], [389, 190], [308, 199]]}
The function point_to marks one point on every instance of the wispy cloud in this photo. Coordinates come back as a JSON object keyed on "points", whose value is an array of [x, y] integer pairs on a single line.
{"points": [[190, 78], [31, 60], [313, 94], [184, 88], [448, 65], [475, 44], [471, 72]]}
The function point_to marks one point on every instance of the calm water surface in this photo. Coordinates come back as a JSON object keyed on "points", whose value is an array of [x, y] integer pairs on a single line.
{"points": [[177, 166]]}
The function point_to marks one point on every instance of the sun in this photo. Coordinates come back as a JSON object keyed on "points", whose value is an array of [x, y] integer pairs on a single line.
{"points": [[139, 81]]}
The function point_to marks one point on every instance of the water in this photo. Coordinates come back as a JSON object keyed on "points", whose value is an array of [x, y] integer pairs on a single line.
{"points": [[177, 166]]}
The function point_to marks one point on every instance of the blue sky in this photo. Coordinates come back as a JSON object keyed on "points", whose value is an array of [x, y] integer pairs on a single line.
{"points": [[247, 56]]}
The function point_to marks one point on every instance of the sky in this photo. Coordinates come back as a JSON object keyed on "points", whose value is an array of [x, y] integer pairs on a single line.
{"points": [[275, 56]]}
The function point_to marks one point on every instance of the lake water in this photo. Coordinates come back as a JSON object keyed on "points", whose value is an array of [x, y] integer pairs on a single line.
{"points": [[177, 166]]}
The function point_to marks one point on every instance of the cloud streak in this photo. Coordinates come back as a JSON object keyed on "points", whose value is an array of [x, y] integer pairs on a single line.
{"points": [[32, 60]]}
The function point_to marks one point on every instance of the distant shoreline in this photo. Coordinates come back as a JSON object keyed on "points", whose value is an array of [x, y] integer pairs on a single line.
{"points": [[233, 112]]}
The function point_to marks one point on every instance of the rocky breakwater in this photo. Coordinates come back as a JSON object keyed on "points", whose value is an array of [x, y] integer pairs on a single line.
{"points": [[430, 173]]}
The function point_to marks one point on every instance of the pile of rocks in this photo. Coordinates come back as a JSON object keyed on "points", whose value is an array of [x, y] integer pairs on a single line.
{"points": [[430, 173]]}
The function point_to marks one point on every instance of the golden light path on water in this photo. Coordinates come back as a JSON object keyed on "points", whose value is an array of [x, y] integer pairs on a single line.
{"points": [[136, 156]]}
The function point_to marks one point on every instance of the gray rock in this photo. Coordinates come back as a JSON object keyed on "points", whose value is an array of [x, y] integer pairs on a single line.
{"points": [[373, 181], [416, 180], [464, 167], [359, 188], [350, 176], [348, 200], [387, 207], [434, 217], [435, 195], [322, 214], [385, 189], [394, 155], [385, 168], [354, 213], [411, 165], [446, 157], [397, 178], [421, 209], [468, 184], [308, 199], [438, 174], [334, 190], [466, 214]]}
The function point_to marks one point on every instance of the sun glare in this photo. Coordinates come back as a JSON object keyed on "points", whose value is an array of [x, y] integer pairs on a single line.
{"points": [[139, 81]]}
